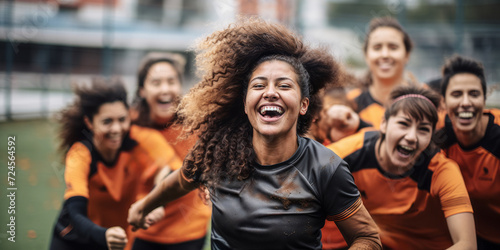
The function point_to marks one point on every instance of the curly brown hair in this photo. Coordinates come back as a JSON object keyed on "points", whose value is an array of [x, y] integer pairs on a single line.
{"points": [[214, 108]]}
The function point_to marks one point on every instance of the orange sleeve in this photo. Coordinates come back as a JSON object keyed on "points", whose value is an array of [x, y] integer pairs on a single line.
{"points": [[156, 146], [448, 185], [76, 173], [349, 144], [353, 93]]}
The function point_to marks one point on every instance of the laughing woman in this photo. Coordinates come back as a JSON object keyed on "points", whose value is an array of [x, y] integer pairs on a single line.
{"points": [[270, 187], [471, 137], [414, 193], [185, 221], [106, 160]]}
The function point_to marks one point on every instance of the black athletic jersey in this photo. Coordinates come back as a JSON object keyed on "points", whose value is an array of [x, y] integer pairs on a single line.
{"points": [[284, 206]]}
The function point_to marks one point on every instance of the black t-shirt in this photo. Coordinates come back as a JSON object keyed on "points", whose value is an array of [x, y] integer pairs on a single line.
{"points": [[284, 206]]}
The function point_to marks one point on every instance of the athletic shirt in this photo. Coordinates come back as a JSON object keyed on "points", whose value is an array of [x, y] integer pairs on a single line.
{"points": [[369, 110], [103, 192], [480, 167], [410, 209], [186, 218], [284, 206]]}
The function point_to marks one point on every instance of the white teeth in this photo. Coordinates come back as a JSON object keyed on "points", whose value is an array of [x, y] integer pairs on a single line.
{"points": [[465, 115], [271, 108], [165, 100], [407, 148]]}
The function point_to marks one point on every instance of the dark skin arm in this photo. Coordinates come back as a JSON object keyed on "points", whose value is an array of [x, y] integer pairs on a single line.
{"points": [[360, 231], [169, 189]]}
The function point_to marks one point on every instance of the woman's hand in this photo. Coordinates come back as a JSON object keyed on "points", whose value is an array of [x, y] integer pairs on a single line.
{"points": [[136, 216], [204, 195], [116, 238], [342, 120], [155, 215]]}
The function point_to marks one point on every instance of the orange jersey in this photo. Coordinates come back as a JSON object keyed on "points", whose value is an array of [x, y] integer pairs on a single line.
{"points": [[368, 108], [410, 210], [112, 187], [186, 218], [480, 167]]}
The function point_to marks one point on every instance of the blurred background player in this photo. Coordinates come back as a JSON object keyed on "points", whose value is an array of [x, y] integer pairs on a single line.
{"points": [[185, 221], [106, 161]]}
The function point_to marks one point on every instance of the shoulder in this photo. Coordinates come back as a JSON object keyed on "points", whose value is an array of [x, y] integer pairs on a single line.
{"points": [[144, 136], [316, 157], [79, 152], [353, 143], [354, 93]]}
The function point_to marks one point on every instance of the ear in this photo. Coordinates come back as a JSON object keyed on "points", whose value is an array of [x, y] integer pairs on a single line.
{"points": [[383, 126], [304, 104], [141, 92], [88, 123]]}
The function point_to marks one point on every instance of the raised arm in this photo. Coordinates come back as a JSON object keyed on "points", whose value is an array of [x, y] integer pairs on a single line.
{"points": [[172, 187]]}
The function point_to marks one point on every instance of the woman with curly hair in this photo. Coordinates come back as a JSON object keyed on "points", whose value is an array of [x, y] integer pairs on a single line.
{"points": [[185, 221], [106, 161], [270, 187]]}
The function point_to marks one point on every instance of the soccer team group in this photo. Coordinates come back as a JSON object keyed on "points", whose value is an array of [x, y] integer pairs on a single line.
{"points": [[277, 147]]}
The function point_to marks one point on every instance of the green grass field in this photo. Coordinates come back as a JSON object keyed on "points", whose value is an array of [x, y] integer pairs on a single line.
{"points": [[39, 181]]}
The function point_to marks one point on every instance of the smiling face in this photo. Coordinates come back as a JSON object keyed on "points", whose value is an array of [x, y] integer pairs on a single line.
{"points": [[109, 126], [273, 101], [405, 139], [162, 88], [464, 100], [386, 54]]}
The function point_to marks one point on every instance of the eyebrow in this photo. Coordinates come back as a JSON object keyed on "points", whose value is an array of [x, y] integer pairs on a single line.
{"points": [[279, 78]]}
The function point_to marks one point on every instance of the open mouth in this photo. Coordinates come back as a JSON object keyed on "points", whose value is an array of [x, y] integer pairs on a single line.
{"points": [[405, 150], [465, 115], [271, 111], [165, 100]]}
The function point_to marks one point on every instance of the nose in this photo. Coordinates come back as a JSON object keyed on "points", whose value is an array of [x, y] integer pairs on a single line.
{"points": [[385, 52], [164, 87], [115, 127], [271, 94], [411, 135], [465, 101]]}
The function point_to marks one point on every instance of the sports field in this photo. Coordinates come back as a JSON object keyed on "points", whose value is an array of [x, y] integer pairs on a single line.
{"points": [[39, 182]]}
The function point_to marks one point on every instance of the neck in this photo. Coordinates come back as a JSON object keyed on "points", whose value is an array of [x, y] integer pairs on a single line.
{"points": [[385, 164], [380, 89], [108, 155], [469, 138], [273, 150]]}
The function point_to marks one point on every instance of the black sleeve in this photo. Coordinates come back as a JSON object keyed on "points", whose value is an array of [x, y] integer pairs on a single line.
{"points": [[341, 193], [363, 124], [86, 229]]}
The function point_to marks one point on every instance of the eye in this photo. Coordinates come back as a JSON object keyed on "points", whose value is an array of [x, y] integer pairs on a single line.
{"points": [[475, 93], [107, 121], [376, 47], [155, 82], [393, 47], [257, 85], [425, 129], [404, 123], [122, 119], [285, 85], [456, 93]]}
